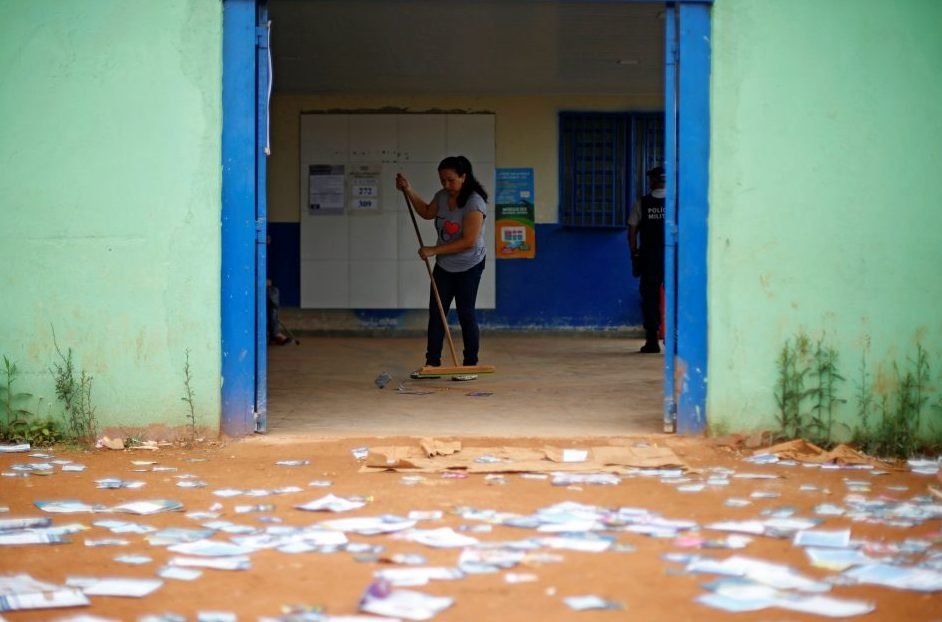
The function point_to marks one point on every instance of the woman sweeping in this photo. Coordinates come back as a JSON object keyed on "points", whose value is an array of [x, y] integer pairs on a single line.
{"points": [[459, 210]]}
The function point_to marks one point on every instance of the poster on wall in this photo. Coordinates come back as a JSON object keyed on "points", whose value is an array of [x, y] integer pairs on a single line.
{"points": [[325, 185], [516, 235], [364, 187]]}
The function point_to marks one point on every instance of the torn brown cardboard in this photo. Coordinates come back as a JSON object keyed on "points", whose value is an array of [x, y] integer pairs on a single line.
{"points": [[801, 450], [613, 459], [434, 447]]}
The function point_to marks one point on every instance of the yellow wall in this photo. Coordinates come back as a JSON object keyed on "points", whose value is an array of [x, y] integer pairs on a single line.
{"points": [[526, 136]]}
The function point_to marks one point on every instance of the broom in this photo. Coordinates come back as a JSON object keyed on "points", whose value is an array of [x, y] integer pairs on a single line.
{"points": [[457, 369]]}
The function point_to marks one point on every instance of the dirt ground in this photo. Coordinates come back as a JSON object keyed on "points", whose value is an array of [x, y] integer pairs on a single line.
{"points": [[649, 587]]}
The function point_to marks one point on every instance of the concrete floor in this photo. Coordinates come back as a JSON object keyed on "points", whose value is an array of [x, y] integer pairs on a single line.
{"points": [[545, 386]]}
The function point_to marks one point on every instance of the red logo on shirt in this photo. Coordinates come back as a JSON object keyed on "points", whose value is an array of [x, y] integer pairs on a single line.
{"points": [[450, 227]]}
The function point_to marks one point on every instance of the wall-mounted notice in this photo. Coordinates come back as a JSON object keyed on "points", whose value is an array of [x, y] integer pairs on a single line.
{"points": [[325, 189], [516, 236], [364, 187]]}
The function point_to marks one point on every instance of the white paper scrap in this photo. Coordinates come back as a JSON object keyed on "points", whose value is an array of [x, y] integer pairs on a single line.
{"points": [[444, 537], [217, 563], [575, 455], [900, 577], [181, 574], [120, 586], [406, 604], [588, 545], [67, 506], [585, 603], [31, 537], [209, 548], [21, 591], [331, 503], [838, 539], [411, 576], [9, 449], [152, 506], [368, 525], [836, 559], [773, 575]]}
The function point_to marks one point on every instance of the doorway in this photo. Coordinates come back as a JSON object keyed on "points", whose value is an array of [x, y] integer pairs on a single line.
{"points": [[684, 403]]}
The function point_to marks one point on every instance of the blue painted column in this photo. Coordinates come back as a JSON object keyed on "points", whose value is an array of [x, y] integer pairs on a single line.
{"points": [[693, 153], [238, 218], [670, 217], [262, 84]]}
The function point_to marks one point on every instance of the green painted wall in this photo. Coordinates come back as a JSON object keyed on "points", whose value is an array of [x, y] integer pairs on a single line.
{"points": [[825, 195], [110, 118]]}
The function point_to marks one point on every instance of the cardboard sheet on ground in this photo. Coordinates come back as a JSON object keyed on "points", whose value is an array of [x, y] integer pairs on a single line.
{"points": [[607, 458], [801, 450]]}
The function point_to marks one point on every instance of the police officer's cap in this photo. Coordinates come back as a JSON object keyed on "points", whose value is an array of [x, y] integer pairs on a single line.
{"points": [[656, 172]]}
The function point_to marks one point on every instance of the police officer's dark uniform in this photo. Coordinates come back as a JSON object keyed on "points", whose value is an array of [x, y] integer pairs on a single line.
{"points": [[647, 258]]}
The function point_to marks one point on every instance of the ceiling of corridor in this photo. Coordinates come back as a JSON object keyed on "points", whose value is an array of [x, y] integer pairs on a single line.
{"points": [[467, 47]]}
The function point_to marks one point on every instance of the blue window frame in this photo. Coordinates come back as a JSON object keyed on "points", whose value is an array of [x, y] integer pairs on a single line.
{"points": [[602, 160]]}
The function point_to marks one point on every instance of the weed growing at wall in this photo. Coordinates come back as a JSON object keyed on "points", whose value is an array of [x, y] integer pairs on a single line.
{"points": [[890, 423], [806, 390], [188, 398], [76, 394], [823, 391], [21, 424], [14, 404]]}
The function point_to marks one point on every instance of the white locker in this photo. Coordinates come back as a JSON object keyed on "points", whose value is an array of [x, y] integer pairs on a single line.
{"points": [[367, 258]]}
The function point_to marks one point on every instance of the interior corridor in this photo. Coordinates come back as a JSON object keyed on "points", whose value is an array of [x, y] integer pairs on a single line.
{"points": [[545, 386]]}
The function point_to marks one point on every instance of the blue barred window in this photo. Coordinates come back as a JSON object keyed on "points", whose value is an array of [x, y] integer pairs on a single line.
{"points": [[603, 157]]}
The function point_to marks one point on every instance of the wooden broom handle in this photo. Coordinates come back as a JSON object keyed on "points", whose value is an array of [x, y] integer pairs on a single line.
{"points": [[428, 268]]}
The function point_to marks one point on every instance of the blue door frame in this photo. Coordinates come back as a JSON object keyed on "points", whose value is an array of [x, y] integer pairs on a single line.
{"points": [[687, 153], [245, 83], [244, 149]]}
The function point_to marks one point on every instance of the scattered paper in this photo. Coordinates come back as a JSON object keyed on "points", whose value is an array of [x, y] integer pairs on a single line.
{"points": [[585, 603], [115, 586], [444, 537], [218, 563], [836, 559], [899, 577], [417, 575], [331, 503], [18, 448], [381, 599], [153, 506], [21, 591], [821, 538]]}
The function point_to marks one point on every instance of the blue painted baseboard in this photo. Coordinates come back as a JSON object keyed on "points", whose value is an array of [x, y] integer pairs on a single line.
{"points": [[580, 279]]}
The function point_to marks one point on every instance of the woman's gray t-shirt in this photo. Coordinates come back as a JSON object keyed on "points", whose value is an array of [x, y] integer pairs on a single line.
{"points": [[450, 226]]}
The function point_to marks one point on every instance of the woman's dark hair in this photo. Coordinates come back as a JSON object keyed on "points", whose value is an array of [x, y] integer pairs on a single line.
{"points": [[461, 166]]}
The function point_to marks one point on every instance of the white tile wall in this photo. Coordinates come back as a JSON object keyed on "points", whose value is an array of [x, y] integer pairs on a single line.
{"points": [[371, 237], [324, 236], [373, 138], [373, 284], [370, 259], [325, 284], [422, 138]]}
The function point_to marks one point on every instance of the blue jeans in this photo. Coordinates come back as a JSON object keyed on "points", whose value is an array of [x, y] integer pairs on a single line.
{"points": [[462, 288]]}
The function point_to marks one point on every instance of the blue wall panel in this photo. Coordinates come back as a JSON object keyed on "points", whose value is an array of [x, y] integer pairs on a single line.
{"points": [[580, 279]]}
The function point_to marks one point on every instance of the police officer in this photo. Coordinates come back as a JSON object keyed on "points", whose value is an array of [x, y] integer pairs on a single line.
{"points": [[646, 221]]}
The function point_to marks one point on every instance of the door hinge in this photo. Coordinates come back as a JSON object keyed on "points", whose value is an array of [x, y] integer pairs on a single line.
{"points": [[261, 232]]}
